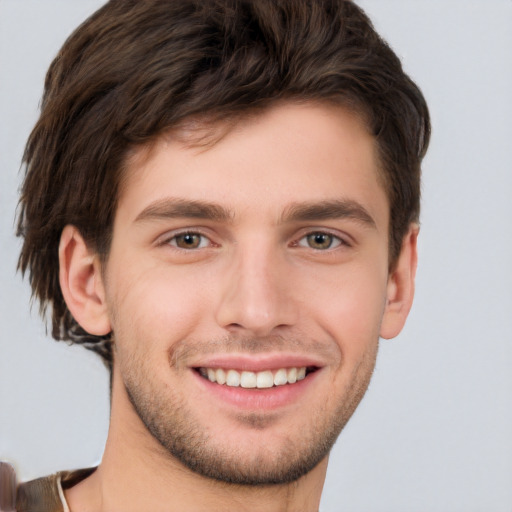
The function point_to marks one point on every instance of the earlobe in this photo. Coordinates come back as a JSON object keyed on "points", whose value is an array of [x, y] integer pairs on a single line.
{"points": [[400, 288], [82, 284]]}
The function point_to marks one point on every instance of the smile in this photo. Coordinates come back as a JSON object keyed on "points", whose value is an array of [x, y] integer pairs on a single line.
{"points": [[250, 380]]}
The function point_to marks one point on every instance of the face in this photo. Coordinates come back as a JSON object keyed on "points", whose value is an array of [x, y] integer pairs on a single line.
{"points": [[246, 287]]}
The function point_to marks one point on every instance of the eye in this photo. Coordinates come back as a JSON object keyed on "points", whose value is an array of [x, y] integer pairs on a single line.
{"points": [[189, 240], [320, 241]]}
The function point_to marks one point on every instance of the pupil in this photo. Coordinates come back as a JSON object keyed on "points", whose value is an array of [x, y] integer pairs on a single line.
{"points": [[321, 240], [188, 240]]}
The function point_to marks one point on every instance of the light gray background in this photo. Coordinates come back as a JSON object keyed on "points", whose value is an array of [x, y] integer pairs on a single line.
{"points": [[434, 433]]}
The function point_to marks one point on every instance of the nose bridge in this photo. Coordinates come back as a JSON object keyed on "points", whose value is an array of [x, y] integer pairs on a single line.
{"points": [[255, 295]]}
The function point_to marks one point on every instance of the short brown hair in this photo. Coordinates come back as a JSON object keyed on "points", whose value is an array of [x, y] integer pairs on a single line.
{"points": [[135, 69]]}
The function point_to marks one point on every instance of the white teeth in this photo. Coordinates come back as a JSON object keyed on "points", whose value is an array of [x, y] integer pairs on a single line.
{"points": [[249, 380], [220, 376], [264, 379], [281, 377], [233, 378]]}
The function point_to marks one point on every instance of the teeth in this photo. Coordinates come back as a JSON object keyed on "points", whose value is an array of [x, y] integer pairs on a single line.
{"points": [[233, 378], [220, 376], [281, 377], [264, 379], [250, 380]]}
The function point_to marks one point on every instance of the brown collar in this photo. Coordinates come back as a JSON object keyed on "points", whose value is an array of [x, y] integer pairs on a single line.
{"points": [[42, 494]]}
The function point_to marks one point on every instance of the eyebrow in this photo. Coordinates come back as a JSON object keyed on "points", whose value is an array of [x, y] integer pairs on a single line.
{"points": [[324, 210], [183, 208], [170, 208]]}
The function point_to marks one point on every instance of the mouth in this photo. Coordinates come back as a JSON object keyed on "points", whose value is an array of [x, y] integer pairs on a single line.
{"points": [[264, 379]]}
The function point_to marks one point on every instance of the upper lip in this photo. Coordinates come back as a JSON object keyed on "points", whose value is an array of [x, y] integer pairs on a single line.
{"points": [[257, 363]]}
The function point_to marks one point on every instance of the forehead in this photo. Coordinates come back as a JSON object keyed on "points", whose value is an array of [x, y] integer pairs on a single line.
{"points": [[287, 154]]}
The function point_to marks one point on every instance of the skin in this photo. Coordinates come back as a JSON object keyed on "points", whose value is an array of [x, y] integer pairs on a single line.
{"points": [[287, 266]]}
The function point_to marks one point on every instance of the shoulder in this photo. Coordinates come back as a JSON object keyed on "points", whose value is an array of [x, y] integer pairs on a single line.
{"points": [[46, 494], [39, 495]]}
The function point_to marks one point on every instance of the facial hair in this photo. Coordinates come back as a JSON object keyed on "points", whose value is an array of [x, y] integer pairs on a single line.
{"points": [[172, 423]]}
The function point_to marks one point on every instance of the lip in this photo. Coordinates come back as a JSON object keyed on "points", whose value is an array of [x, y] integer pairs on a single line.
{"points": [[256, 400], [258, 363]]}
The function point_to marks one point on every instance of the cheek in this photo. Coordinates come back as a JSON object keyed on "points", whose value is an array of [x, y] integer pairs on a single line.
{"points": [[151, 309], [349, 305]]}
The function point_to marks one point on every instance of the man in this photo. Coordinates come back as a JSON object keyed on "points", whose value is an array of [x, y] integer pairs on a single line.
{"points": [[221, 199]]}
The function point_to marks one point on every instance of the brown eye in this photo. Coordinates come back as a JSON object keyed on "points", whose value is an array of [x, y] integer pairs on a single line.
{"points": [[189, 241], [320, 241]]}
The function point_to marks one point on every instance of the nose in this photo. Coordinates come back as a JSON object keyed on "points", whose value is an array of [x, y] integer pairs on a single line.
{"points": [[257, 294]]}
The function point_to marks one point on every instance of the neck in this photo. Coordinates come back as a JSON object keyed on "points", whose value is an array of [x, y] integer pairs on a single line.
{"points": [[137, 473]]}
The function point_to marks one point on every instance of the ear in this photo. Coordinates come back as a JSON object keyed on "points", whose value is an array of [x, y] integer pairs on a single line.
{"points": [[82, 284], [400, 288]]}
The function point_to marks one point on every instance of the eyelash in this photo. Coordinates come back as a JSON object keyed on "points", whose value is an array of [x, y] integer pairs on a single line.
{"points": [[190, 233], [302, 242], [334, 241]]}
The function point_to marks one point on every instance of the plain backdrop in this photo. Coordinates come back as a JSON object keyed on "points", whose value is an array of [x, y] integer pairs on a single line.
{"points": [[434, 432]]}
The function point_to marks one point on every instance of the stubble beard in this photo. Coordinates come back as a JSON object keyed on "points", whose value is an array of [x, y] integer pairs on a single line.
{"points": [[171, 422]]}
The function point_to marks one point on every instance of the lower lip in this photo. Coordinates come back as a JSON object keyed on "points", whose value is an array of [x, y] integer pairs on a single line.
{"points": [[258, 399]]}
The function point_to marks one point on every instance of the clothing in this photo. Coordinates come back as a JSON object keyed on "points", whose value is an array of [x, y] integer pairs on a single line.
{"points": [[47, 494]]}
